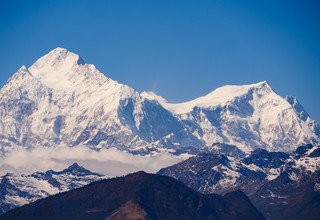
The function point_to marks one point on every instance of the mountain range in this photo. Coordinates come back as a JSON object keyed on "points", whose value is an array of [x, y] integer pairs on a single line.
{"points": [[241, 140], [17, 190], [138, 196], [62, 101], [280, 185]]}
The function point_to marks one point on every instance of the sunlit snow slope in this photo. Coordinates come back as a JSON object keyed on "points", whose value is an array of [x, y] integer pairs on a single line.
{"points": [[61, 101]]}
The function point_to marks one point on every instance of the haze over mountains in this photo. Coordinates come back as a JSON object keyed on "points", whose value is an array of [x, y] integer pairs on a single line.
{"points": [[61, 101]]}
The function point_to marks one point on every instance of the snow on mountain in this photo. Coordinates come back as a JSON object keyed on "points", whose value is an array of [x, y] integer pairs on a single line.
{"points": [[250, 117], [152, 96], [277, 183], [303, 115], [219, 96], [217, 173], [17, 190], [62, 101], [309, 161], [220, 173]]}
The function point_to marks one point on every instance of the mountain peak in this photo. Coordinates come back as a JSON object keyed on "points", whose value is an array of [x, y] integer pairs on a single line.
{"points": [[64, 53], [57, 57], [262, 83], [238, 90], [22, 71], [59, 50], [64, 70], [21, 75], [23, 68], [78, 170], [74, 166]]}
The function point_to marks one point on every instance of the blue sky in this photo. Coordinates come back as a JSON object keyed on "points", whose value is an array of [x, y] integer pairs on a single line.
{"points": [[178, 49]]}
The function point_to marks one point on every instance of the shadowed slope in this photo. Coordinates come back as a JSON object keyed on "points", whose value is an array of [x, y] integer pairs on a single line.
{"points": [[146, 196]]}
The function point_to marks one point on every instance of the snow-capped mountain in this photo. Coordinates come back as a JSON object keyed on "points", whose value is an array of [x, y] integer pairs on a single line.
{"points": [[216, 173], [250, 117], [220, 173], [17, 190], [280, 185], [60, 100]]}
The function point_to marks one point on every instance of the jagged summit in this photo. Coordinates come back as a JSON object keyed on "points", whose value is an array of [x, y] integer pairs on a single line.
{"points": [[74, 166], [76, 169], [64, 70], [22, 82], [21, 74], [23, 68], [59, 55]]}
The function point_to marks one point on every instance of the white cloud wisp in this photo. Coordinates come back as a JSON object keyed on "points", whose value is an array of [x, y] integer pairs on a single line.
{"points": [[110, 162]]}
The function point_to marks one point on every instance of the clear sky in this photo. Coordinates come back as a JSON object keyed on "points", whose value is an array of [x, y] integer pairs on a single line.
{"points": [[178, 49]]}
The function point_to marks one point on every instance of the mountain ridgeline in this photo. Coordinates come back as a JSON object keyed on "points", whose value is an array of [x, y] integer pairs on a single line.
{"points": [[62, 101], [280, 185], [137, 196], [20, 189]]}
